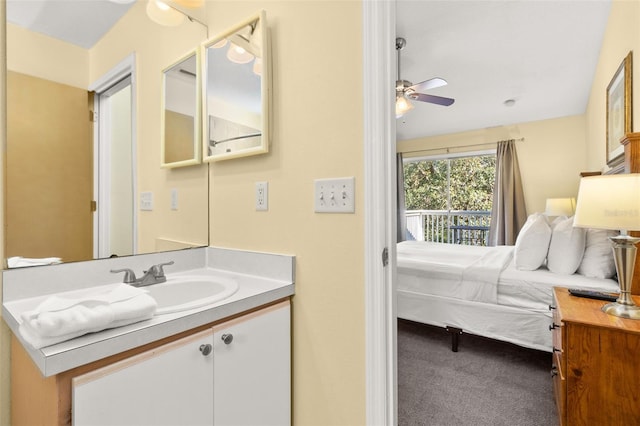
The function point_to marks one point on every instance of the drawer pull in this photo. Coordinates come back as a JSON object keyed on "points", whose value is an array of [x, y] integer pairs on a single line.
{"points": [[205, 349], [554, 325], [554, 371], [551, 307], [556, 349]]}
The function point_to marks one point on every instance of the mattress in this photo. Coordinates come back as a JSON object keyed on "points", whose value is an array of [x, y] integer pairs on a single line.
{"points": [[482, 274]]}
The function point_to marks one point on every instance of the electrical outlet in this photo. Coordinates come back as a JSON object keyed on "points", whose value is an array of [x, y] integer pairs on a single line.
{"points": [[174, 199], [262, 196], [335, 195], [146, 201]]}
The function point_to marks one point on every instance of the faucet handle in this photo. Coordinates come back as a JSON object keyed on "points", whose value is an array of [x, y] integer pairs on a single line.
{"points": [[157, 269], [129, 275]]}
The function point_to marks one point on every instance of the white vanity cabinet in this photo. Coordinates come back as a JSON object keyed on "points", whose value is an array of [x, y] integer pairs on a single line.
{"points": [[169, 385], [252, 369], [235, 373]]}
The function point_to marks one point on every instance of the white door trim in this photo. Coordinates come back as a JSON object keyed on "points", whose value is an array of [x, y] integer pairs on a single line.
{"points": [[380, 212], [101, 170]]}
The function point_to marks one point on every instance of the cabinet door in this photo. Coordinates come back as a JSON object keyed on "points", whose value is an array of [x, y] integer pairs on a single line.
{"points": [[170, 385], [252, 369]]}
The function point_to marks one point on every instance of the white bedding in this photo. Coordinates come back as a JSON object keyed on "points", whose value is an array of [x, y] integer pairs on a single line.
{"points": [[445, 284], [482, 274]]}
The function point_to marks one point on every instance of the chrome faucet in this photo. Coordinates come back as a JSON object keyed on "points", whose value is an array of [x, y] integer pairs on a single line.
{"points": [[154, 275]]}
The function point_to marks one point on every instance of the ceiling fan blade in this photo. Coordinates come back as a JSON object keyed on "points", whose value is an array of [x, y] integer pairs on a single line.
{"points": [[431, 99], [432, 83]]}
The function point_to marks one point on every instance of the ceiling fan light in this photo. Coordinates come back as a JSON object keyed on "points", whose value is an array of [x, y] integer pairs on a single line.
{"points": [[161, 13], [238, 54], [402, 106]]}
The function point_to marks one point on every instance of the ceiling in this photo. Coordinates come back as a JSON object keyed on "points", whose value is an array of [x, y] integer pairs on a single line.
{"points": [[79, 22], [541, 54]]}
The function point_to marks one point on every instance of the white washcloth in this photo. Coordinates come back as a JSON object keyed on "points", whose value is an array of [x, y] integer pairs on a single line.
{"points": [[58, 319], [21, 262]]}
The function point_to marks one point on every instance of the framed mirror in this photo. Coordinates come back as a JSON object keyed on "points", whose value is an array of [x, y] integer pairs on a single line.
{"points": [[180, 122], [236, 92]]}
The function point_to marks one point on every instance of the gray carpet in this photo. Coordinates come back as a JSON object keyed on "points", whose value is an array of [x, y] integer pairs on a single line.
{"points": [[485, 383]]}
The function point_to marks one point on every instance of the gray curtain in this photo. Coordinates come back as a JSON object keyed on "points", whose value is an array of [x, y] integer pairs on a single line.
{"points": [[402, 218], [508, 213]]}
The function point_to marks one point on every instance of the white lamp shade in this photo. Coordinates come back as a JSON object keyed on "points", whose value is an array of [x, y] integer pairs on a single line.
{"points": [[609, 202], [160, 13], [560, 206], [402, 106], [238, 55]]}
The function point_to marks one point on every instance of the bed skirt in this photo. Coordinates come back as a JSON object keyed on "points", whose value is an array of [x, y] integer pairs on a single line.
{"points": [[523, 327]]}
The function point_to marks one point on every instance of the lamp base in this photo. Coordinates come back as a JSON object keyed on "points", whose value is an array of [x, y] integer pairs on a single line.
{"points": [[622, 311]]}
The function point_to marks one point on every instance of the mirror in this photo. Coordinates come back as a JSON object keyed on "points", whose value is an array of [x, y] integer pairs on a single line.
{"points": [[169, 206], [181, 112], [236, 93]]}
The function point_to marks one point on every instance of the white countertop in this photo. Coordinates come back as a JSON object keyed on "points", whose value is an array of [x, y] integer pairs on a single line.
{"points": [[253, 291]]}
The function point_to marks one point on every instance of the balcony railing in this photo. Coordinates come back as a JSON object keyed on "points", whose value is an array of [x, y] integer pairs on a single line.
{"points": [[449, 226]]}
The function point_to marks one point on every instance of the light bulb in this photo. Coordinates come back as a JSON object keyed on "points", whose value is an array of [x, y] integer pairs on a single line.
{"points": [[238, 54], [402, 106]]}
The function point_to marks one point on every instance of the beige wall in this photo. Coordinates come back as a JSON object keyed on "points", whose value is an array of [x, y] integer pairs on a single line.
{"points": [[317, 59], [551, 156], [313, 137], [622, 36]]}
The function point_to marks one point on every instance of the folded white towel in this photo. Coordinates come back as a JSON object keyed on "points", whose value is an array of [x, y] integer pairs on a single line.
{"points": [[58, 319], [21, 262]]}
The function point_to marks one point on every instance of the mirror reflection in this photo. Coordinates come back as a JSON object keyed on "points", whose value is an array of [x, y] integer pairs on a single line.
{"points": [[236, 92], [67, 197], [180, 113]]}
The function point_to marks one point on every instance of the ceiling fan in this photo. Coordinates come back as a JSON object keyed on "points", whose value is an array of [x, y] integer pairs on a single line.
{"points": [[406, 90]]}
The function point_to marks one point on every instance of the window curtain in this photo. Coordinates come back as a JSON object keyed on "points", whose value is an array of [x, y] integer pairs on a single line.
{"points": [[402, 217], [508, 213]]}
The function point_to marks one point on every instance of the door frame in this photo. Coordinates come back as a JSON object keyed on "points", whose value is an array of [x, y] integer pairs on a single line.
{"points": [[101, 165], [378, 26]]}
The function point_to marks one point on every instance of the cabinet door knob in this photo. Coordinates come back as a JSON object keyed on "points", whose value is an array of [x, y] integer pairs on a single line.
{"points": [[205, 349], [227, 338]]}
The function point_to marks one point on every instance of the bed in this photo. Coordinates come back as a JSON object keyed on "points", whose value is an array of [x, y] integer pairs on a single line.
{"points": [[487, 292]]}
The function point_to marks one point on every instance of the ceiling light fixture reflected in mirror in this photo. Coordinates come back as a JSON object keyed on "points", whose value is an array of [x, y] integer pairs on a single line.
{"points": [[238, 54], [163, 14]]}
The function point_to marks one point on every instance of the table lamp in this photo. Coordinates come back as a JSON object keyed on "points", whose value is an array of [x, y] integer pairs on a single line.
{"points": [[560, 206], [613, 202]]}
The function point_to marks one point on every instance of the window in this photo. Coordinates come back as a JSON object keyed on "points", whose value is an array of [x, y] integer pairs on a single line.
{"points": [[449, 199]]}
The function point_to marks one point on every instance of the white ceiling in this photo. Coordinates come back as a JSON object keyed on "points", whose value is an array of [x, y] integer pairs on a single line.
{"points": [[541, 53], [79, 22]]}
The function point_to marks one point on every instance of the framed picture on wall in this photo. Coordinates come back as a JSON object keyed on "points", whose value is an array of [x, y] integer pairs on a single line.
{"points": [[618, 111]]}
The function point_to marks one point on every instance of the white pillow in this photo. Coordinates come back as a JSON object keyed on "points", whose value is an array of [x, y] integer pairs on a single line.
{"points": [[566, 248], [532, 243], [597, 261]]}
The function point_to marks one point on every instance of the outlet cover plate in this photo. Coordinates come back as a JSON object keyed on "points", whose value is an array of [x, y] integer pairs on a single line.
{"points": [[335, 195], [262, 196]]}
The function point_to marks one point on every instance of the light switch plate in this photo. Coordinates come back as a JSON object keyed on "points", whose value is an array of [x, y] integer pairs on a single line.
{"points": [[335, 195], [146, 201]]}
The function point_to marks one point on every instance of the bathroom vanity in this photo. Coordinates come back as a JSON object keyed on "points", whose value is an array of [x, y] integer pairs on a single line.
{"points": [[228, 362]]}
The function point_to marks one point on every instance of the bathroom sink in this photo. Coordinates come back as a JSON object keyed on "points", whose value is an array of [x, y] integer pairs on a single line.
{"points": [[189, 292]]}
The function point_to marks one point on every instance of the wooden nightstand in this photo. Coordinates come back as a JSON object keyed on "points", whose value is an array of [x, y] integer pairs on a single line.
{"points": [[596, 363]]}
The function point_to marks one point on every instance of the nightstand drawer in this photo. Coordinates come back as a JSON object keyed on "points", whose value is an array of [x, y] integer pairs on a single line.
{"points": [[559, 386]]}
